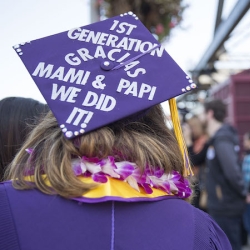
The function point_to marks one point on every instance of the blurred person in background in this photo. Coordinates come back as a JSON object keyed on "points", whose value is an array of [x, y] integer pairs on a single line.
{"points": [[196, 140], [246, 174], [224, 180], [17, 117]]}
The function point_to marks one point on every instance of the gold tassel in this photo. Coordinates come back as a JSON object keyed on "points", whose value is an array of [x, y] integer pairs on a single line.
{"points": [[179, 136]]}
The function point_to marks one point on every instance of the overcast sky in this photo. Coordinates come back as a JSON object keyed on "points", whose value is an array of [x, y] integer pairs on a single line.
{"points": [[26, 20]]}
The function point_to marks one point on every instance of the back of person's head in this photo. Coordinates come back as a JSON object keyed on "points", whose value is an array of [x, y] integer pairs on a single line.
{"points": [[219, 109], [197, 127], [18, 115], [145, 141]]}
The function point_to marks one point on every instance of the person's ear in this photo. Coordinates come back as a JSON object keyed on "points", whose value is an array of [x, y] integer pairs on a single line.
{"points": [[210, 113]]}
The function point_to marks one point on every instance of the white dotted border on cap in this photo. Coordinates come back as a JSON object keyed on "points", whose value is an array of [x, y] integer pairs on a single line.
{"points": [[69, 134], [19, 49], [189, 87], [131, 14]]}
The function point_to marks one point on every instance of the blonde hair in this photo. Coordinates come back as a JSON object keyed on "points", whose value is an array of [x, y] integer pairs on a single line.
{"points": [[144, 140]]}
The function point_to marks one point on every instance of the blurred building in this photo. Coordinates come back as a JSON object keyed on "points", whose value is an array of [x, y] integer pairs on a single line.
{"points": [[223, 71], [235, 92]]}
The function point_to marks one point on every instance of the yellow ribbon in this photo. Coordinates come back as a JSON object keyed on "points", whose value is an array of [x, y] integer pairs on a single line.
{"points": [[179, 136], [113, 187]]}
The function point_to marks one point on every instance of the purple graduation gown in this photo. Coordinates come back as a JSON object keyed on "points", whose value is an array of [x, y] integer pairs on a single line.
{"points": [[31, 220]]}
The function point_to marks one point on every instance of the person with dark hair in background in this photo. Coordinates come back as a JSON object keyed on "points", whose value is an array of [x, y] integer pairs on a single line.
{"points": [[224, 180], [18, 115]]}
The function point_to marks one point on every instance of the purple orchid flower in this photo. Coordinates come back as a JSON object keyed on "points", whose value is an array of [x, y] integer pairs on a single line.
{"points": [[140, 177], [147, 188], [78, 166], [92, 167], [29, 150], [124, 168], [91, 159], [99, 177], [108, 167], [100, 170]]}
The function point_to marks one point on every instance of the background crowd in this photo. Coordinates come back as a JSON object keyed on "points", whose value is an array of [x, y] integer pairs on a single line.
{"points": [[221, 169]]}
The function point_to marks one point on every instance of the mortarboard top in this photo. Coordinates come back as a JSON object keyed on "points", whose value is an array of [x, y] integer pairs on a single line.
{"points": [[100, 73]]}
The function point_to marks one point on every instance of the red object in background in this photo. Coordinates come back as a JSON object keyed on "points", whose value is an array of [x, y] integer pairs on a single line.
{"points": [[235, 92]]}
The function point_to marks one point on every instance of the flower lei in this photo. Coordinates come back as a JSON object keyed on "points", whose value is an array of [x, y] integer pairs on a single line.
{"points": [[99, 170]]}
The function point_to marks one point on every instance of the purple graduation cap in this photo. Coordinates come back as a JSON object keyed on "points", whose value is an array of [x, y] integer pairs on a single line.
{"points": [[100, 73]]}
